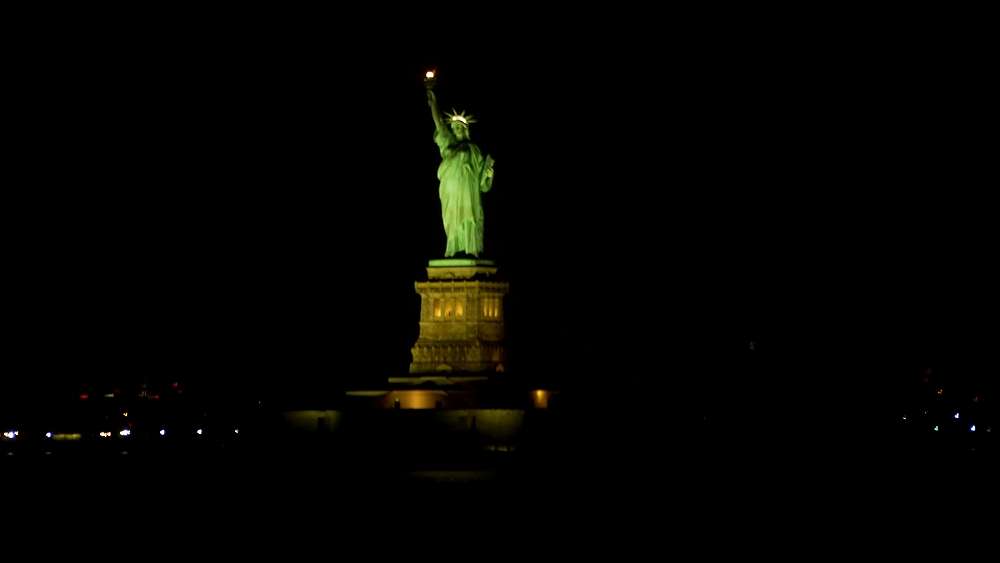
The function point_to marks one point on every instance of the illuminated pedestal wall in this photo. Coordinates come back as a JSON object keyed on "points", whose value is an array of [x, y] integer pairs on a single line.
{"points": [[461, 318]]}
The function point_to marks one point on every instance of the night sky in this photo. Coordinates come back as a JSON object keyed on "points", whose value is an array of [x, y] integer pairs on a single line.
{"points": [[250, 207]]}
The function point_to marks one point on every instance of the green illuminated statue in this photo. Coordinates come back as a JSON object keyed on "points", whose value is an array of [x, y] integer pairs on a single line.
{"points": [[464, 174]]}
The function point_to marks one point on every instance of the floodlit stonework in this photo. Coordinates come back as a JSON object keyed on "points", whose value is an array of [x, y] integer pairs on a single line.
{"points": [[461, 318]]}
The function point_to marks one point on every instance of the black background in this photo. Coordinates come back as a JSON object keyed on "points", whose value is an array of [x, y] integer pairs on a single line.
{"points": [[242, 200], [245, 201]]}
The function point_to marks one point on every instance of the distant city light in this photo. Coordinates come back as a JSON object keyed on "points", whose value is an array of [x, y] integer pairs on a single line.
{"points": [[48, 434], [125, 432], [956, 415], [163, 431], [104, 434], [935, 428], [125, 413], [237, 431], [198, 431], [904, 418], [10, 434], [972, 428]]}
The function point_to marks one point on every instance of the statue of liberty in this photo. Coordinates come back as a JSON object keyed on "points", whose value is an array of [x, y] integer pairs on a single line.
{"points": [[464, 173]]}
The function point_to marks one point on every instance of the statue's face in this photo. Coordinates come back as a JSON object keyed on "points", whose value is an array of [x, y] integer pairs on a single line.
{"points": [[460, 131]]}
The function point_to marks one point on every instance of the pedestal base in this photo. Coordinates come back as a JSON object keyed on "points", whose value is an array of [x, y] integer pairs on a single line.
{"points": [[461, 318]]}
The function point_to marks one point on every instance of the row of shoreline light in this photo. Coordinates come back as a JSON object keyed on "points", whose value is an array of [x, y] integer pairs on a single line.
{"points": [[12, 435]]}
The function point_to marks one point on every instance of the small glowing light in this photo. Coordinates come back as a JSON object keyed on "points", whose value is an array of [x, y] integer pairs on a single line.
{"points": [[9, 434], [125, 413], [956, 416], [972, 428], [540, 399], [904, 418], [125, 432], [163, 431], [236, 431], [198, 431], [16, 433], [935, 428], [104, 434], [48, 434], [430, 74]]}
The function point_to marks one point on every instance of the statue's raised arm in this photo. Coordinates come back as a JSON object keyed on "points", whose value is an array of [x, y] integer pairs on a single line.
{"points": [[435, 112]]}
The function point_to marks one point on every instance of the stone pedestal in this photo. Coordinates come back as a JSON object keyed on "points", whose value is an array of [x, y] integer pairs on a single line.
{"points": [[461, 318]]}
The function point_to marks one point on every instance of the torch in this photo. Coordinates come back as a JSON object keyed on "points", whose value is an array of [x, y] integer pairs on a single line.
{"points": [[429, 77]]}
